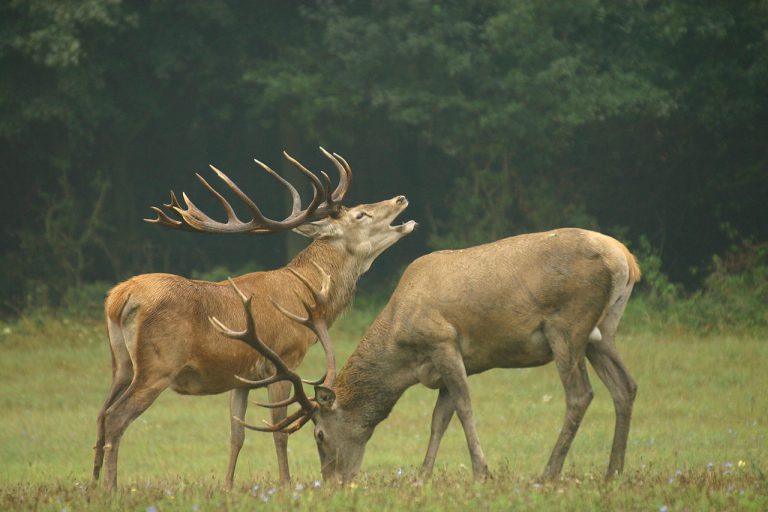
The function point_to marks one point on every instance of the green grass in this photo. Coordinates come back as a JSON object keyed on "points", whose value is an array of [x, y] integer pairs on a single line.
{"points": [[698, 438]]}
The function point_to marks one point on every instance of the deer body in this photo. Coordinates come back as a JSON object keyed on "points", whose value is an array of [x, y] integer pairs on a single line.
{"points": [[520, 302], [172, 315], [158, 324]]}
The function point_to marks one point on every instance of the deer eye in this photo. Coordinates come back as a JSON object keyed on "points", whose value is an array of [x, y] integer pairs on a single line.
{"points": [[320, 436], [360, 215]]}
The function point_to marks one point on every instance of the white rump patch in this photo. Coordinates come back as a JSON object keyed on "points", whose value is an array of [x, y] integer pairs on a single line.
{"points": [[595, 335]]}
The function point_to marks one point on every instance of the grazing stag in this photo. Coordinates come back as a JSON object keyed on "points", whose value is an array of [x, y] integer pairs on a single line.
{"points": [[519, 302], [159, 334]]}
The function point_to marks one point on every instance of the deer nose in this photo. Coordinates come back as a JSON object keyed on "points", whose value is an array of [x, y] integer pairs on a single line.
{"points": [[400, 199]]}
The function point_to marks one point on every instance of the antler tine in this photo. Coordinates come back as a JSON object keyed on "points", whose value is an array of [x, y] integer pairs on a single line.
{"points": [[296, 318], [164, 220], [320, 296], [259, 383], [345, 174], [275, 405], [231, 215], [226, 331], [295, 197], [346, 165], [315, 382], [288, 425], [255, 211], [326, 184], [316, 185], [325, 286]]}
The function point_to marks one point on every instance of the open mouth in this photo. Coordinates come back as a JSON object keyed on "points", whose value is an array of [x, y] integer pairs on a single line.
{"points": [[405, 227]]}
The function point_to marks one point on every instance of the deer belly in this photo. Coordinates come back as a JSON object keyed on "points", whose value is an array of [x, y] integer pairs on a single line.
{"points": [[192, 381], [513, 352]]}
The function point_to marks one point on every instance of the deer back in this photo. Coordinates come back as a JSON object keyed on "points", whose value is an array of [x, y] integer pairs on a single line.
{"points": [[494, 297]]}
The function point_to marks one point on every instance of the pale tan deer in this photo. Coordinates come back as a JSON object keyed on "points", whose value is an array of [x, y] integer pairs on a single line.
{"points": [[519, 302], [158, 327]]}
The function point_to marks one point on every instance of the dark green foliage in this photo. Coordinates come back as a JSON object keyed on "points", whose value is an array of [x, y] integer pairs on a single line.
{"points": [[222, 273], [493, 117], [733, 298]]}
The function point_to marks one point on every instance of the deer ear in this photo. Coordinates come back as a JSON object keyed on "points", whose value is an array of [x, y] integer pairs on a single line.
{"points": [[325, 397], [318, 229]]}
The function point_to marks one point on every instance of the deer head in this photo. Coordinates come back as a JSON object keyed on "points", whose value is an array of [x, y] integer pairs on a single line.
{"points": [[365, 230]]}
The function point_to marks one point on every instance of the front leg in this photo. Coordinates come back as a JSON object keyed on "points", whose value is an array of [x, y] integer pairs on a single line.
{"points": [[277, 392], [238, 403], [448, 361], [441, 417]]}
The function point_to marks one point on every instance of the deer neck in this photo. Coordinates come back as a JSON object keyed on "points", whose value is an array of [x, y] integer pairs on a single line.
{"points": [[374, 377], [342, 266]]}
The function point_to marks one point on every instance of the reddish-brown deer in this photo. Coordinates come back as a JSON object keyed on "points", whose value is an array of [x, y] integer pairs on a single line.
{"points": [[158, 326], [519, 302]]}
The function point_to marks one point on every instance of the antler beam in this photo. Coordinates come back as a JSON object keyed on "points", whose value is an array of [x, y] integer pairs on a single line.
{"points": [[324, 203]]}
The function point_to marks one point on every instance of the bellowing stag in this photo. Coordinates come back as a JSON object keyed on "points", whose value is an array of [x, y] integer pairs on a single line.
{"points": [[159, 333]]}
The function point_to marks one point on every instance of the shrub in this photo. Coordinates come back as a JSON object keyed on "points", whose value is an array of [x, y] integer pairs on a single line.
{"points": [[733, 297]]}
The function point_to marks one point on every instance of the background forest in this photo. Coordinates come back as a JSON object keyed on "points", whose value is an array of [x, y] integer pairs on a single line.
{"points": [[646, 120]]}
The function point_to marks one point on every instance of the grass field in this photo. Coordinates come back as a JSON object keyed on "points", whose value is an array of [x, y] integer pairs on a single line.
{"points": [[698, 438]]}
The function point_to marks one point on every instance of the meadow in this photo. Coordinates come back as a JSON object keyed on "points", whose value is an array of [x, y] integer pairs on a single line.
{"points": [[698, 437]]}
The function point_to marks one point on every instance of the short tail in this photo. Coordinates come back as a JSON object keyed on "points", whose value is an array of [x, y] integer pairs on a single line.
{"points": [[116, 300], [634, 268]]}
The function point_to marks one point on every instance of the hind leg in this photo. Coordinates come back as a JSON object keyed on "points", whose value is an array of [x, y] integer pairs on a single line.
{"points": [[121, 379], [122, 374], [142, 391], [569, 358], [606, 361], [609, 367]]}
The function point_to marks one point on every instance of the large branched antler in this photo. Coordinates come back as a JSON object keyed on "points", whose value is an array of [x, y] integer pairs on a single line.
{"points": [[323, 203], [316, 320]]}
